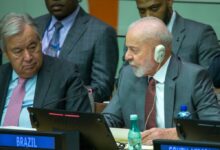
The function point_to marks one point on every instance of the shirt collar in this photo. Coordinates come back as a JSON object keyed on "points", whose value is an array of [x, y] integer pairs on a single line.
{"points": [[14, 76], [68, 21], [171, 22], [160, 75]]}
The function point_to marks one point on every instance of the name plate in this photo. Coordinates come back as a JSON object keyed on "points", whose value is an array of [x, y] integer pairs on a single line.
{"points": [[27, 141], [31, 139], [178, 147], [162, 144]]}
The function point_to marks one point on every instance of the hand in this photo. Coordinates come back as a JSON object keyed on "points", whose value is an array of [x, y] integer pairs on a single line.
{"points": [[158, 133]]}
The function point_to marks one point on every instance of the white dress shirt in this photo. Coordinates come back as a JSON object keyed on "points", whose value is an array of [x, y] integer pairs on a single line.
{"points": [[159, 97]]}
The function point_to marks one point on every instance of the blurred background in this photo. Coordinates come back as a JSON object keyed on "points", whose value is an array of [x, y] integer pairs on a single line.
{"points": [[120, 13]]}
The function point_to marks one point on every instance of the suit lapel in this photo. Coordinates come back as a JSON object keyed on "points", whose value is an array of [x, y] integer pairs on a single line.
{"points": [[43, 25], [75, 33], [178, 33], [169, 91], [5, 78], [43, 82]]}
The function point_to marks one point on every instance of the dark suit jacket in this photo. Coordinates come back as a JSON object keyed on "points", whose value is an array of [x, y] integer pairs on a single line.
{"points": [[92, 45], [56, 80], [1, 56], [185, 84], [194, 42], [214, 71]]}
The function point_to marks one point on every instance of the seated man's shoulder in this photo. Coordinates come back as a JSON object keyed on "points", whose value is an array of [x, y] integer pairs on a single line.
{"points": [[4, 67]]}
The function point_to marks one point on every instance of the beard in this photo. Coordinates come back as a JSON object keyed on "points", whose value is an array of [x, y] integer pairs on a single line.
{"points": [[139, 72]]}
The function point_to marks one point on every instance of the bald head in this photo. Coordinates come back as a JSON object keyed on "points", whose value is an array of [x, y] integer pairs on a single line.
{"points": [[142, 38], [150, 28]]}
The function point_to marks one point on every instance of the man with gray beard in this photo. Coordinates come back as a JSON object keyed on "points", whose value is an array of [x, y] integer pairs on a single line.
{"points": [[177, 83]]}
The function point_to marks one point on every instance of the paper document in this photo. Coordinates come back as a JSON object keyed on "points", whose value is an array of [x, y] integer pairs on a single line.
{"points": [[120, 134]]}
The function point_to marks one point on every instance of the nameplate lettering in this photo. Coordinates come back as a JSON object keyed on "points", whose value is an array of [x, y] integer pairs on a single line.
{"points": [[178, 147], [27, 141]]}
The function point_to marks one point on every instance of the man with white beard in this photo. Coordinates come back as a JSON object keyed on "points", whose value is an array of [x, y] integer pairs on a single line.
{"points": [[176, 83]]}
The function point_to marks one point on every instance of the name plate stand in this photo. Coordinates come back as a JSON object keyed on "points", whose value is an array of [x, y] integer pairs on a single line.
{"points": [[19, 139]]}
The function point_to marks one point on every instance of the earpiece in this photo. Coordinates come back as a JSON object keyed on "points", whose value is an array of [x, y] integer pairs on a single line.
{"points": [[159, 53]]}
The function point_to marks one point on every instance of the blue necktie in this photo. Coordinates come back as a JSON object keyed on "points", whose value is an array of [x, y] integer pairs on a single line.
{"points": [[54, 45]]}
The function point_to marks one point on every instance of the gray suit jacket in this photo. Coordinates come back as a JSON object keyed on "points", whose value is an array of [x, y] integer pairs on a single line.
{"points": [[194, 42], [92, 45], [56, 80], [185, 84]]}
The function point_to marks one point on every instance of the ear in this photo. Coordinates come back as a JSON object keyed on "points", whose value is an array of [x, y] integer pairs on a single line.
{"points": [[159, 53]]}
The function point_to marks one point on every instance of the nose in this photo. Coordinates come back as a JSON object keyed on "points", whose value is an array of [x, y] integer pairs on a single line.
{"points": [[147, 13], [27, 55], [128, 56]]}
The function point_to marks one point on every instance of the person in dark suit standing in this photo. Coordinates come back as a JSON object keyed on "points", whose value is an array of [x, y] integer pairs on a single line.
{"points": [[176, 83], [49, 83], [193, 41], [84, 40]]}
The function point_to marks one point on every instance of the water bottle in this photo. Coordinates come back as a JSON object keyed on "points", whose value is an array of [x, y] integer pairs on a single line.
{"points": [[184, 113], [134, 134]]}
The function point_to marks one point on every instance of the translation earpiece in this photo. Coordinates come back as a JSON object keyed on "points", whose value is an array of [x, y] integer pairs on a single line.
{"points": [[159, 53]]}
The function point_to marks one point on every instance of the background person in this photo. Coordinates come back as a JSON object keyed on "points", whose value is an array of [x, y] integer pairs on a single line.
{"points": [[84, 40], [192, 41]]}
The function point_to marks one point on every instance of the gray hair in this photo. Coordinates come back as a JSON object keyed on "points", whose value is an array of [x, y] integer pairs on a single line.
{"points": [[152, 27], [13, 24]]}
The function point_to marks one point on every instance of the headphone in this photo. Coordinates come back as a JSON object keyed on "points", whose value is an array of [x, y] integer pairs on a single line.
{"points": [[159, 53]]}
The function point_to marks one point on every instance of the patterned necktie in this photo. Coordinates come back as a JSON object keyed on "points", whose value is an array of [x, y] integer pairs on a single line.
{"points": [[150, 109], [54, 45], [14, 107]]}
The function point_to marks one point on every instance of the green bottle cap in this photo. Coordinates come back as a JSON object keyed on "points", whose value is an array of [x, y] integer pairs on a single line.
{"points": [[133, 117]]}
